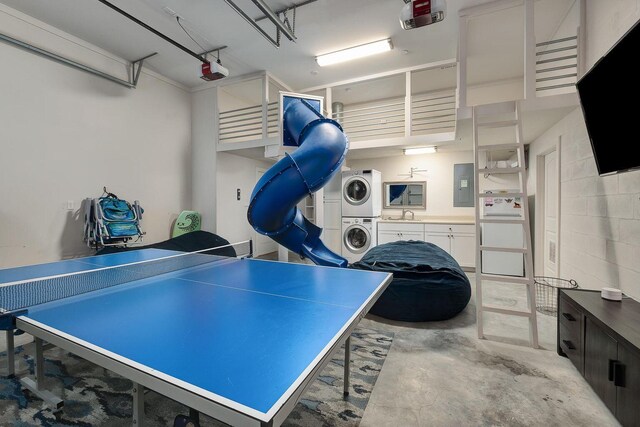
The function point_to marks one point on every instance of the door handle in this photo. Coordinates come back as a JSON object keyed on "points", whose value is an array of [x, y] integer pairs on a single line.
{"points": [[569, 317], [570, 345]]}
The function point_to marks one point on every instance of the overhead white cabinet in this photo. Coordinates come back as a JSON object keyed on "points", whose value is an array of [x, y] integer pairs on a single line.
{"points": [[458, 240]]}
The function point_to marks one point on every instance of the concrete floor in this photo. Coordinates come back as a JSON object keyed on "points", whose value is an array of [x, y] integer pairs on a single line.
{"points": [[440, 374]]}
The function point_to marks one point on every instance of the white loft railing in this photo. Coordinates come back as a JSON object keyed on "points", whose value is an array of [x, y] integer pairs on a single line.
{"points": [[556, 66], [381, 119], [433, 112], [245, 124]]}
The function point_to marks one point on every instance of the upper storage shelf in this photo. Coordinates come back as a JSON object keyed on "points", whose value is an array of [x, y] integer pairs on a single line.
{"points": [[397, 108], [401, 108], [248, 112]]}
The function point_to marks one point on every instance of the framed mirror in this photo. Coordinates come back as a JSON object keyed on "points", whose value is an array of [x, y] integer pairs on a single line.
{"points": [[401, 195]]}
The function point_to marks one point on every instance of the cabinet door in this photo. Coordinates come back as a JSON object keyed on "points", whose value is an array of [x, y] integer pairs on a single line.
{"points": [[332, 214], [388, 237], [600, 351], [442, 240], [411, 235], [463, 249], [332, 240], [628, 390]]}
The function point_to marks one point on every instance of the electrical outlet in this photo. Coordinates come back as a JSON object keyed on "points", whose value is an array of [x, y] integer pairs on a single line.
{"points": [[238, 194], [71, 205]]}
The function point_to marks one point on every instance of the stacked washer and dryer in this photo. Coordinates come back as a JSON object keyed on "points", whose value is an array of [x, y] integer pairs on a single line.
{"points": [[361, 210]]}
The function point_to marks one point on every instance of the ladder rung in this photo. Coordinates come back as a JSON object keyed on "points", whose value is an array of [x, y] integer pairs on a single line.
{"points": [[501, 249], [494, 147], [506, 279], [495, 309], [502, 124], [500, 195], [501, 221], [516, 169]]}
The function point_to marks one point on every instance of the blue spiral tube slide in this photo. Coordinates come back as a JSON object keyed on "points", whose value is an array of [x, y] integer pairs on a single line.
{"points": [[273, 208]]}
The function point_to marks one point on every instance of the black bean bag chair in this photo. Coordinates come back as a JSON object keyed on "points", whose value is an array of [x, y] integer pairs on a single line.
{"points": [[428, 284], [190, 242]]}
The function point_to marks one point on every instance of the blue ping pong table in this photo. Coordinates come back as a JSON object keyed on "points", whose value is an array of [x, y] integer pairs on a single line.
{"points": [[238, 339]]}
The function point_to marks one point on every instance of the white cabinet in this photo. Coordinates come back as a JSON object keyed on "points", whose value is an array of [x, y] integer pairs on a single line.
{"points": [[394, 236], [332, 230], [395, 231], [332, 209], [459, 240], [463, 245]]}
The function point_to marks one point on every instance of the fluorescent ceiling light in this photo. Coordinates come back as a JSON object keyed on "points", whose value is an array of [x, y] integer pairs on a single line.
{"points": [[355, 52], [419, 150]]}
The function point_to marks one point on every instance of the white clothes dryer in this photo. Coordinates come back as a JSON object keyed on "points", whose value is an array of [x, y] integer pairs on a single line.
{"points": [[361, 193]]}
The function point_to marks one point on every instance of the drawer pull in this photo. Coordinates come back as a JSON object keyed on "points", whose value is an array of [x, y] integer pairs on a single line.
{"points": [[616, 373], [569, 317], [611, 363], [570, 345]]}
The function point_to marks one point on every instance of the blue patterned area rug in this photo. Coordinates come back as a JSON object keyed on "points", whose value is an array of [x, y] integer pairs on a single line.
{"points": [[97, 397]]}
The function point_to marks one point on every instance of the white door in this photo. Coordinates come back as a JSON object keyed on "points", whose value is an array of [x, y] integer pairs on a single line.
{"points": [[262, 244], [550, 219]]}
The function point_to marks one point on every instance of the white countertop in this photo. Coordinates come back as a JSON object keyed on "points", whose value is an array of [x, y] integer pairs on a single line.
{"points": [[430, 219]]}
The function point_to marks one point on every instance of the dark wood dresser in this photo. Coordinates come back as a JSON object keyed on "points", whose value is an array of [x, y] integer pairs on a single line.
{"points": [[602, 339]]}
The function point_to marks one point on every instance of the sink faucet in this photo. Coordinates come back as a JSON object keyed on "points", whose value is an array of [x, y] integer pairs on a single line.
{"points": [[405, 211]]}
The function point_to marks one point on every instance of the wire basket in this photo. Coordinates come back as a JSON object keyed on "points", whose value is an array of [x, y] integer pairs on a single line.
{"points": [[547, 293]]}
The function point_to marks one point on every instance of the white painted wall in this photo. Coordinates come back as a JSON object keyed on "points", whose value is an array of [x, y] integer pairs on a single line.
{"points": [[65, 134], [439, 177], [606, 22], [203, 171], [235, 172], [599, 216], [498, 91]]}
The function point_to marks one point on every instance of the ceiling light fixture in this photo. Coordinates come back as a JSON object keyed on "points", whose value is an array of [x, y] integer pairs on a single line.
{"points": [[419, 150], [355, 52]]}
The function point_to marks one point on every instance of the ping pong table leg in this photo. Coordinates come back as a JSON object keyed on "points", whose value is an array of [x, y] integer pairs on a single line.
{"points": [[347, 362], [11, 366], [36, 385], [138, 405]]}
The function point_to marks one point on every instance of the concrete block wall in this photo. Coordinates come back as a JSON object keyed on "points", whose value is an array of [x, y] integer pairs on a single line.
{"points": [[599, 216]]}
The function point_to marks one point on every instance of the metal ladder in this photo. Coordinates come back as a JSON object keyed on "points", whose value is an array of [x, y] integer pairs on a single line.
{"points": [[486, 111]]}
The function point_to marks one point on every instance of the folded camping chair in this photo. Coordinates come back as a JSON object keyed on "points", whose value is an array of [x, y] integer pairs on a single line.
{"points": [[111, 221]]}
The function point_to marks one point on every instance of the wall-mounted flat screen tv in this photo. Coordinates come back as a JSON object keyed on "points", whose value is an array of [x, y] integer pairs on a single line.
{"points": [[609, 94]]}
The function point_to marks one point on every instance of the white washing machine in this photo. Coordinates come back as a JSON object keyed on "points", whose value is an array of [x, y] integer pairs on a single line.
{"points": [[358, 236], [361, 193]]}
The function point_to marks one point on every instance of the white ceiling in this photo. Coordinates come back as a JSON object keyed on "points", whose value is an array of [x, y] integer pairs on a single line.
{"points": [[323, 26]]}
